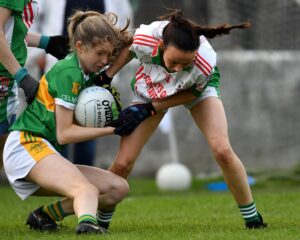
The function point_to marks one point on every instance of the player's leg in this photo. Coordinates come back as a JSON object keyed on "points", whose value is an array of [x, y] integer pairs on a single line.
{"points": [[209, 116], [131, 145], [112, 190], [34, 167], [54, 174]]}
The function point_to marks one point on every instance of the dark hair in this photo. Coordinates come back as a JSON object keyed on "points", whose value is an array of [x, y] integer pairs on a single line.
{"points": [[184, 33]]}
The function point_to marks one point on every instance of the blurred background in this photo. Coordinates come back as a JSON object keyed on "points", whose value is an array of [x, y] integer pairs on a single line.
{"points": [[260, 89]]}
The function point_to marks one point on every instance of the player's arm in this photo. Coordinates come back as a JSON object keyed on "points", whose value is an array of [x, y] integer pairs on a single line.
{"points": [[174, 100], [57, 46], [123, 58], [7, 58], [133, 115], [68, 132]]}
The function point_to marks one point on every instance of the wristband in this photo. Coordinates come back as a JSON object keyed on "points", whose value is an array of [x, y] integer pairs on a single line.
{"points": [[44, 41], [20, 74]]}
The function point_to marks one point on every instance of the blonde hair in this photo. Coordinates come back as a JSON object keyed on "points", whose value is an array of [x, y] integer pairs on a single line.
{"points": [[92, 28]]}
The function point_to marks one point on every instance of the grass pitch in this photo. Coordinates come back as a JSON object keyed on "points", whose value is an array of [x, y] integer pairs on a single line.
{"points": [[148, 213]]}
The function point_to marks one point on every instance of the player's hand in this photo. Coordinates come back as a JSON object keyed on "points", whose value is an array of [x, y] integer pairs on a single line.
{"points": [[104, 81], [27, 83], [58, 46], [30, 87], [131, 117]]}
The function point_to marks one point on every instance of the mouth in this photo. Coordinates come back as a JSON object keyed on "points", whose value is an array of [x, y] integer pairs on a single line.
{"points": [[99, 67]]}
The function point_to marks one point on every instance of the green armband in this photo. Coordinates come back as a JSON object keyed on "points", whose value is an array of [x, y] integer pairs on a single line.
{"points": [[44, 41], [20, 74]]}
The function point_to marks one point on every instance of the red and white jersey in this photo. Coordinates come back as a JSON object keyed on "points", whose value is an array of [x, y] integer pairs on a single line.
{"points": [[152, 80]]}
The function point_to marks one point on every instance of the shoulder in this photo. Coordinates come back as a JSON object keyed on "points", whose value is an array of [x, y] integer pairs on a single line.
{"points": [[67, 67], [147, 37], [153, 29], [206, 57]]}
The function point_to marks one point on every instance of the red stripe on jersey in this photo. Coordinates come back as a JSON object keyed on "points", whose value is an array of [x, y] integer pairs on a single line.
{"points": [[145, 40], [202, 58], [25, 17], [207, 69], [141, 68], [146, 36], [139, 77], [144, 44], [203, 63], [31, 14], [139, 73], [201, 69], [198, 55]]}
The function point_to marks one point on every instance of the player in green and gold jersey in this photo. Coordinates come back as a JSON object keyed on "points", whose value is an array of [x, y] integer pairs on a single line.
{"points": [[32, 162]]}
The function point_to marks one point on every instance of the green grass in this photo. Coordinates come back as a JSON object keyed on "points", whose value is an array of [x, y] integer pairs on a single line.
{"points": [[150, 214]]}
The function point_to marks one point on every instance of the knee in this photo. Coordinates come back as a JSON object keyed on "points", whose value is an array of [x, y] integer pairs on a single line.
{"points": [[85, 188], [119, 189], [224, 155]]}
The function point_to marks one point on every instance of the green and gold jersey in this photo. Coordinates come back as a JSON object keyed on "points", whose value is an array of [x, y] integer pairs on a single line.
{"points": [[61, 85]]}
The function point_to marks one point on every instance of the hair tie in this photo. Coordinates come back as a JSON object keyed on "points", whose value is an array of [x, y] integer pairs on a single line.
{"points": [[79, 20]]}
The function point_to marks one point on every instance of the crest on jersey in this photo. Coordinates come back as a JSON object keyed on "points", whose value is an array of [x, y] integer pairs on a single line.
{"points": [[76, 87]]}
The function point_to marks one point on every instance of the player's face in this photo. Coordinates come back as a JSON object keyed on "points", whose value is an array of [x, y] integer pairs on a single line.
{"points": [[176, 59], [93, 59]]}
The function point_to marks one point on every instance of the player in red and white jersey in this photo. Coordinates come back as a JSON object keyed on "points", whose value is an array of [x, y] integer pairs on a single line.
{"points": [[153, 81], [178, 66]]}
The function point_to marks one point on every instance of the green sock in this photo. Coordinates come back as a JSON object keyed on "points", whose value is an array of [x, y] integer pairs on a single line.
{"points": [[55, 211], [104, 218], [87, 218], [249, 212]]}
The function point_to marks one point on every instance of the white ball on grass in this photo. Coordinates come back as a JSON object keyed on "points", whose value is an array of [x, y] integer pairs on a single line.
{"points": [[173, 177]]}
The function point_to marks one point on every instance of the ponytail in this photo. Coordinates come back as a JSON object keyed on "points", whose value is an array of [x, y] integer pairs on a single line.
{"points": [[185, 33]]}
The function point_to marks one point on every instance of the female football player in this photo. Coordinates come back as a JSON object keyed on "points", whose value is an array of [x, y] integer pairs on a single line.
{"points": [[15, 20], [178, 66], [31, 159]]}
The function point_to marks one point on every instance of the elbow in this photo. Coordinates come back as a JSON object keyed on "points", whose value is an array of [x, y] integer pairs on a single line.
{"points": [[61, 139]]}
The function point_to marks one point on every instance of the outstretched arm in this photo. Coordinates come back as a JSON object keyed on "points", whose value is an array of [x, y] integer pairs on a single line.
{"points": [[57, 45]]}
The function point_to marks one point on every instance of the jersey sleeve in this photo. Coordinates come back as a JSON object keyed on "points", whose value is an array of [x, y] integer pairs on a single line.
{"points": [[65, 87], [146, 38], [13, 5], [205, 62]]}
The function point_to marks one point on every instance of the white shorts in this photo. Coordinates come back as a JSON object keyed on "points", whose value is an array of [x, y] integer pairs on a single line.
{"points": [[208, 92], [22, 151]]}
